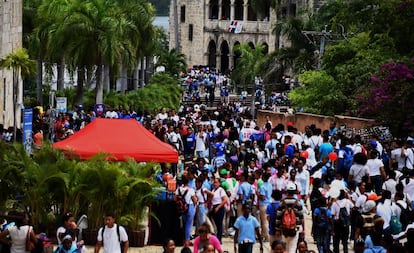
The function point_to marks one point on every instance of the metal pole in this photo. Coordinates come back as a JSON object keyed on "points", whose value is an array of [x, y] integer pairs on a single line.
{"points": [[177, 44], [322, 47], [15, 83]]}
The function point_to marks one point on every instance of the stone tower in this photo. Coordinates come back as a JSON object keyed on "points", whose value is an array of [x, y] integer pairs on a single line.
{"points": [[207, 31], [11, 30]]}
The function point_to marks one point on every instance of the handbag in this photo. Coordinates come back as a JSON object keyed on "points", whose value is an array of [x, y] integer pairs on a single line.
{"points": [[29, 244]]}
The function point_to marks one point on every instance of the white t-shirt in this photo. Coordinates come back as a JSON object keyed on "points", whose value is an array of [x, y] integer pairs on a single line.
{"points": [[406, 161], [389, 185], [409, 188], [219, 193], [190, 193], [374, 166], [358, 171], [337, 205], [110, 238], [18, 236], [60, 230], [200, 142]]}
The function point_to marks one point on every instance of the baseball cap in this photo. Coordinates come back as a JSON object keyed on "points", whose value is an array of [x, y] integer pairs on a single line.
{"points": [[374, 197], [224, 172], [291, 186], [368, 206]]}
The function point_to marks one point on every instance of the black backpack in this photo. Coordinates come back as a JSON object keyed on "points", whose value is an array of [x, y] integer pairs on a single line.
{"points": [[180, 203], [322, 219], [344, 219], [405, 216], [121, 243]]}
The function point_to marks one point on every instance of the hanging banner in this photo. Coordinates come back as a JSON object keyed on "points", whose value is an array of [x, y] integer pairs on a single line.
{"points": [[235, 27], [61, 104], [27, 130]]}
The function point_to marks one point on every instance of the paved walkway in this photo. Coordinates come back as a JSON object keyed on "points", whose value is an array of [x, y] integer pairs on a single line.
{"points": [[228, 244]]}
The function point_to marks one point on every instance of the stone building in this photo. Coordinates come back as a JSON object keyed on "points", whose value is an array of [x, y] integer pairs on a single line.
{"points": [[207, 31], [11, 31]]}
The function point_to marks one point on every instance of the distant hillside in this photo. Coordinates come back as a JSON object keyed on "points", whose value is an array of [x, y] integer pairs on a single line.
{"points": [[162, 6]]}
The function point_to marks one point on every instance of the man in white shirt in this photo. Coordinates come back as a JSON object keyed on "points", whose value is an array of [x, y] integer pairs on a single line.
{"points": [[404, 157], [201, 145], [111, 236]]}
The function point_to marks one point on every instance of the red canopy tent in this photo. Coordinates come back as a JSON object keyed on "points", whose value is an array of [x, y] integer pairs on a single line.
{"points": [[121, 139]]}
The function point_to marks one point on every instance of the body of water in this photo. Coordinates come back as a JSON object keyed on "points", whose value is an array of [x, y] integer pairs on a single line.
{"points": [[162, 21]]}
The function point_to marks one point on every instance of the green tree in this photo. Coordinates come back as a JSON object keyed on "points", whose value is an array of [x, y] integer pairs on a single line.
{"points": [[298, 54], [318, 94], [173, 62], [21, 65], [248, 66]]}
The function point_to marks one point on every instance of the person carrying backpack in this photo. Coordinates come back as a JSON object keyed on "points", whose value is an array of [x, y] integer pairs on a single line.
{"points": [[322, 226], [341, 210], [112, 237], [187, 194], [289, 219], [345, 159]]}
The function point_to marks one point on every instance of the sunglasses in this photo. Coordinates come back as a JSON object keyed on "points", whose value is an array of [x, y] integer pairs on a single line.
{"points": [[202, 231]]}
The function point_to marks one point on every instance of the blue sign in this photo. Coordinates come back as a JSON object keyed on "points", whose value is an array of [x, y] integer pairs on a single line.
{"points": [[27, 130]]}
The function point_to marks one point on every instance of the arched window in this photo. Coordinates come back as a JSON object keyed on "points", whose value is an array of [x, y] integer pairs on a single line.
{"points": [[225, 10], [251, 15], [214, 9], [212, 54], [238, 10], [224, 61]]}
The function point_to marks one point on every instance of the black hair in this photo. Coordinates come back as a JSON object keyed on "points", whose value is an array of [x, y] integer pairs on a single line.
{"points": [[316, 182], [360, 158], [110, 214], [186, 249], [67, 216], [277, 195], [166, 241], [277, 242]]}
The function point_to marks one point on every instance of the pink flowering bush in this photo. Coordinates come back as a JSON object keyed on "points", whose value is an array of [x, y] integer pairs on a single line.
{"points": [[389, 97]]}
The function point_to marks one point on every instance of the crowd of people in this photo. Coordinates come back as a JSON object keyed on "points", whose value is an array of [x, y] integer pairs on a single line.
{"points": [[235, 175], [257, 184]]}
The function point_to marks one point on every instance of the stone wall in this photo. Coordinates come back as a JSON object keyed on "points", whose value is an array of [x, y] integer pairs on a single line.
{"points": [[300, 120], [10, 39]]}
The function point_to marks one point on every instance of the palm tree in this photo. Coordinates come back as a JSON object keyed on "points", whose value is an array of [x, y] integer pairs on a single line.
{"points": [[19, 62], [248, 66], [108, 33], [172, 61], [299, 54]]}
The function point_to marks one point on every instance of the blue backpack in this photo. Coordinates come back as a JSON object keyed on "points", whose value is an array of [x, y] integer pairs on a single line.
{"points": [[348, 157]]}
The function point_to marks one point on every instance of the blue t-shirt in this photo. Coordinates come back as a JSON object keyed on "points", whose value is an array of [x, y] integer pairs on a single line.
{"points": [[220, 148], [290, 151], [271, 212], [247, 228], [190, 141], [266, 190], [246, 189], [317, 211], [324, 150]]}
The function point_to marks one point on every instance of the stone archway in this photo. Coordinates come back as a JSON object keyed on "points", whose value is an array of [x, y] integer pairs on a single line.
{"points": [[251, 45], [224, 53], [212, 52], [265, 48], [236, 55]]}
